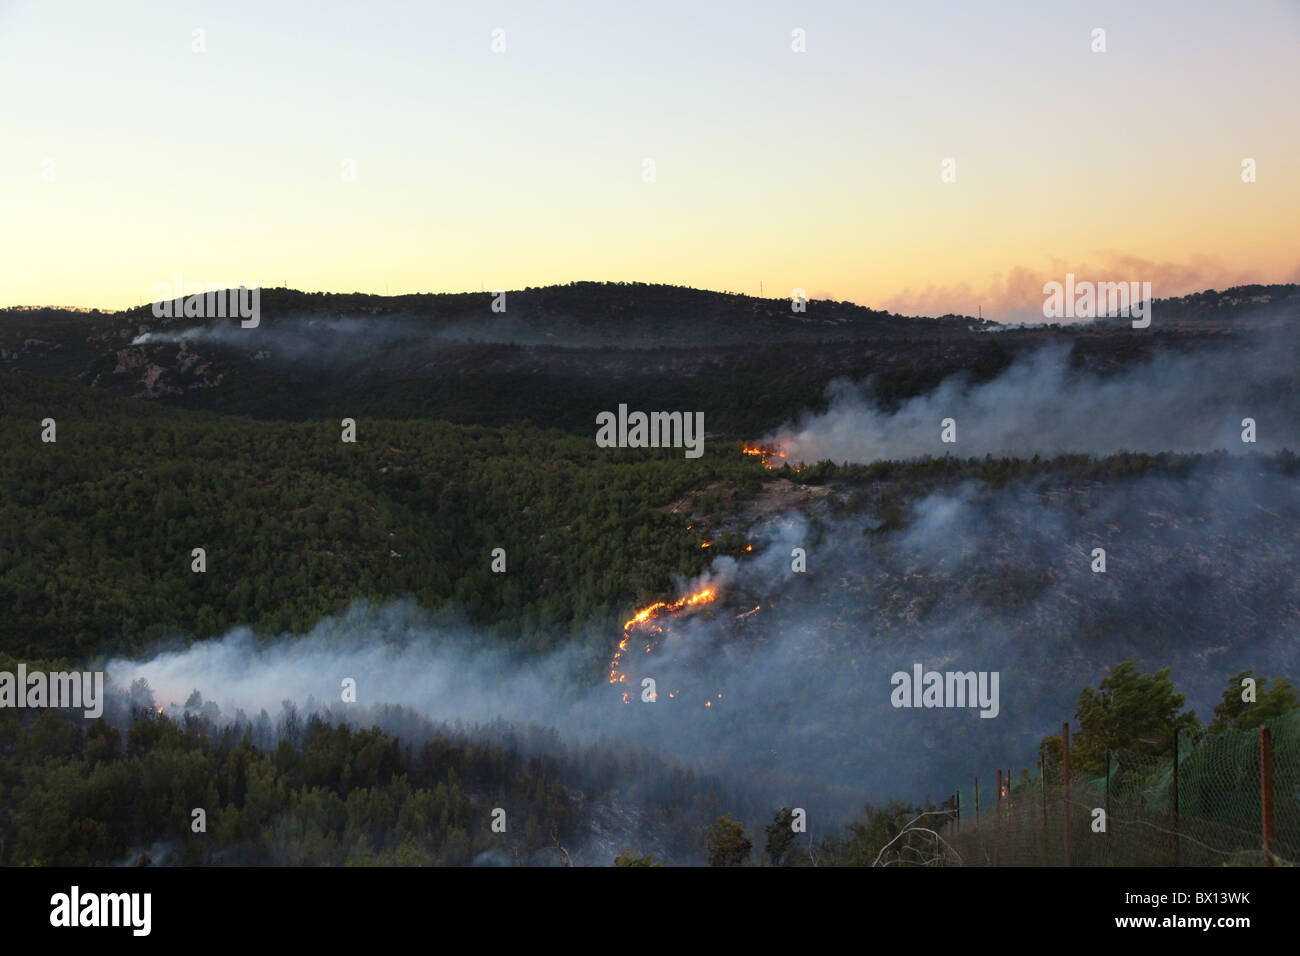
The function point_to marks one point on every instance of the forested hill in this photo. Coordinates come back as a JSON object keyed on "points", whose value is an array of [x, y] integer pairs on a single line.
{"points": [[557, 356], [96, 528], [582, 314]]}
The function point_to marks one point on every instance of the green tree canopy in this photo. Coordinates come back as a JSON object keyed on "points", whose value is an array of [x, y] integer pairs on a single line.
{"points": [[726, 843], [1130, 711], [1237, 712], [780, 837]]}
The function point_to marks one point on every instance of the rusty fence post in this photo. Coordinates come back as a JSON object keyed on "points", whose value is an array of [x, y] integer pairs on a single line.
{"points": [[1065, 740], [1107, 796], [1042, 782], [1177, 842], [997, 815], [1266, 791]]}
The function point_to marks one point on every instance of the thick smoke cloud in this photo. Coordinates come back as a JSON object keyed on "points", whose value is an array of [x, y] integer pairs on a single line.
{"points": [[1200, 578], [1041, 405]]}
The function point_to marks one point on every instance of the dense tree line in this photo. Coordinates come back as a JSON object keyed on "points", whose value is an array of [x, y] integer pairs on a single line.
{"points": [[305, 789], [327, 794], [97, 529]]}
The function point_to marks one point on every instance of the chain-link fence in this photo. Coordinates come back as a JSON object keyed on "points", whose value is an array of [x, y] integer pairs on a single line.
{"points": [[1230, 798]]}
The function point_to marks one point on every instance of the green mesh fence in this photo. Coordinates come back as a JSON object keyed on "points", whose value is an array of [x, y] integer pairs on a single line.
{"points": [[1207, 811]]}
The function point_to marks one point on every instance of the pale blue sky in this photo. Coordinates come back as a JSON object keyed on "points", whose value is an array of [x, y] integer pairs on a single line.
{"points": [[818, 170]]}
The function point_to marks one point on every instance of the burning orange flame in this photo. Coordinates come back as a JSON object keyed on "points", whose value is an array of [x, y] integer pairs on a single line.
{"points": [[768, 456], [645, 618]]}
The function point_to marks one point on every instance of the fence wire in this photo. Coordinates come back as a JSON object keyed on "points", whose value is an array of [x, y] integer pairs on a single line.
{"points": [[1213, 816]]}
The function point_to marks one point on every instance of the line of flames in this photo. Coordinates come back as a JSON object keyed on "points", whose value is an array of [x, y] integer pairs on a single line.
{"points": [[644, 620], [770, 457]]}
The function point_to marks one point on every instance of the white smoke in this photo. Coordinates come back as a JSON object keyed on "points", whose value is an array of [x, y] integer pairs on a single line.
{"points": [[1040, 405], [979, 579]]}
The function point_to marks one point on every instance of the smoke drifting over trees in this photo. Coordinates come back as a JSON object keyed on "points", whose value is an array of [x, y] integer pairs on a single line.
{"points": [[974, 578], [826, 583], [1041, 405]]}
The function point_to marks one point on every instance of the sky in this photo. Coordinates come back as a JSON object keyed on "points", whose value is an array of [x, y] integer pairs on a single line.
{"points": [[387, 147]]}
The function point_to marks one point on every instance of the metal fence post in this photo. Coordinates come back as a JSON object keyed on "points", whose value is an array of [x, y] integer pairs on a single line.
{"points": [[1266, 791], [1176, 840], [1065, 740], [997, 816], [1042, 782], [1108, 795]]}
